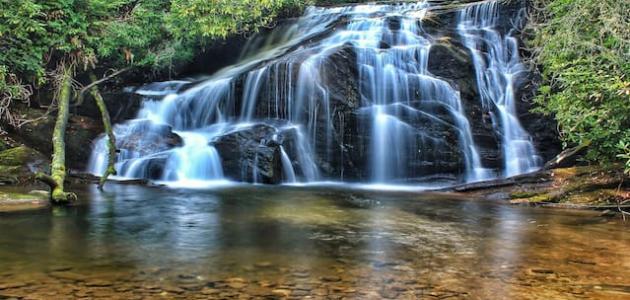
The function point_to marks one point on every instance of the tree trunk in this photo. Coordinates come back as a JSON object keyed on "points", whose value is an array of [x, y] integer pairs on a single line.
{"points": [[58, 166], [111, 139]]}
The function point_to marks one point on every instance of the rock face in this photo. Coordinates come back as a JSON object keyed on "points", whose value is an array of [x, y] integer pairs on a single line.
{"points": [[80, 133], [122, 105], [251, 154], [318, 98], [20, 164], [145, 138]]}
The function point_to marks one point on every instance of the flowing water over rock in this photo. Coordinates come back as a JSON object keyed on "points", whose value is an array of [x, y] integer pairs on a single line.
{"points": [[383, 94]]}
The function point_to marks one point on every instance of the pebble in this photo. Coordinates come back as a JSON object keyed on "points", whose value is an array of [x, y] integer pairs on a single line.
{"points": [[330, 278], [301, 274], [65, 275], [98, 283], [173, 289], [388, 293], [210, 291], [12, 285], [263, 264], [281, 292], [237, 285]]}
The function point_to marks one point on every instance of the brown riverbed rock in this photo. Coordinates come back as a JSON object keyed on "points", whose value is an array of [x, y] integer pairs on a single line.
{"points": [[17, 200]]}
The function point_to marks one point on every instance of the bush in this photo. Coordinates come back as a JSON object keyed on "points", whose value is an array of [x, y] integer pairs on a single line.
{"points": [[584, 55]]}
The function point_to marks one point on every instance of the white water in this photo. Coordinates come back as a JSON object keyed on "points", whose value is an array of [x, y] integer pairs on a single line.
{"points": [[394, 85], [497, 69]]}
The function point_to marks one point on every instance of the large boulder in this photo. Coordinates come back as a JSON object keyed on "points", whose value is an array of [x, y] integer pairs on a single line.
{"points": [[80, 133], [20, 164], [251, 154], [144, 137]]}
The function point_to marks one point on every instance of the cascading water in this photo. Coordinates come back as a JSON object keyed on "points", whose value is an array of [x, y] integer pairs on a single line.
{"points": [[344, 93], [497, 70]]}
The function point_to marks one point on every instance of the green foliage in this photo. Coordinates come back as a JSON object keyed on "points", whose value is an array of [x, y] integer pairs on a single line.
{"points": [[191, 19], [585, 55], [37, 37], [624, 149], [138, 37]]}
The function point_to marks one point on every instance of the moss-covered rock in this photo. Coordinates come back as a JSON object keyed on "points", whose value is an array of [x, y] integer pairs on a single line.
{"points": [[583, 185], [3, 145], [18, 165]]}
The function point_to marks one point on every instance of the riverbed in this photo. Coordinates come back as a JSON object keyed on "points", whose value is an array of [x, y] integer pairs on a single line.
{"points": [[326, 242]]}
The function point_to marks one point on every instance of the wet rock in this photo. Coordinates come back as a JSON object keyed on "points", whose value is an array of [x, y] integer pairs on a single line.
{"points": [[173, 289], [303, 274], [20, 164], [331, 278], [18, 201], [12, 285], [388, 293], [191, 286], [210, 291], [541, 271], [263, 264], [281, 292], [251, 154], [320, 292], [67, 275], [237, 285], [98, 283], [145, 138], [299, 293]]}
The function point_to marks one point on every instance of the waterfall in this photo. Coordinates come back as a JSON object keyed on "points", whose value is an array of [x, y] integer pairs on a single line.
{"points": [[287, 167], [497, 69], [341, 94]]}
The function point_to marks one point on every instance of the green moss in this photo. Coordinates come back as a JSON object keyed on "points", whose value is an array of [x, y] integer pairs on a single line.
{"points": [[18, 156], [522, 194], [3, 145], [19, 164], [541, 198]]}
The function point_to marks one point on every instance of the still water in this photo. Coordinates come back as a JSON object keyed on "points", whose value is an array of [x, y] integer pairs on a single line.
{"points": [[257, 242]]}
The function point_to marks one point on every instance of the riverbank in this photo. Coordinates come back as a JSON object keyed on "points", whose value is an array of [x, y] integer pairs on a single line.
{"points": [[603, 188]]}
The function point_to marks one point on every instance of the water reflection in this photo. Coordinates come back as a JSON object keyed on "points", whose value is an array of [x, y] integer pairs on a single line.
{"points": [[364, 239]]}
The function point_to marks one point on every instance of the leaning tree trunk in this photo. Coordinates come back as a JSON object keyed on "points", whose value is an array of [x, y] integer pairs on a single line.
{"points": [[58, 166], [111, 139]]}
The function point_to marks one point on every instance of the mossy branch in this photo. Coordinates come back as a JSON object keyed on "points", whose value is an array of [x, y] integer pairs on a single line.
{"points": [[107, 124], [58, 165]]}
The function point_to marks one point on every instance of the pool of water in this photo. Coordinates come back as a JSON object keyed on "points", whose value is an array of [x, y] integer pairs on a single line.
{"points": [[133, 242]]}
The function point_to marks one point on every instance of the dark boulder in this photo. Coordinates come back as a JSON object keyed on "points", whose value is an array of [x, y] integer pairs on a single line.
{"points": [[122, 105], [80, 133], [250, 154]]}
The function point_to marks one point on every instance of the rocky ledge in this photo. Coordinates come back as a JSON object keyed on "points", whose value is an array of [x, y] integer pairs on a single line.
{"points": [[578, 187]]}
